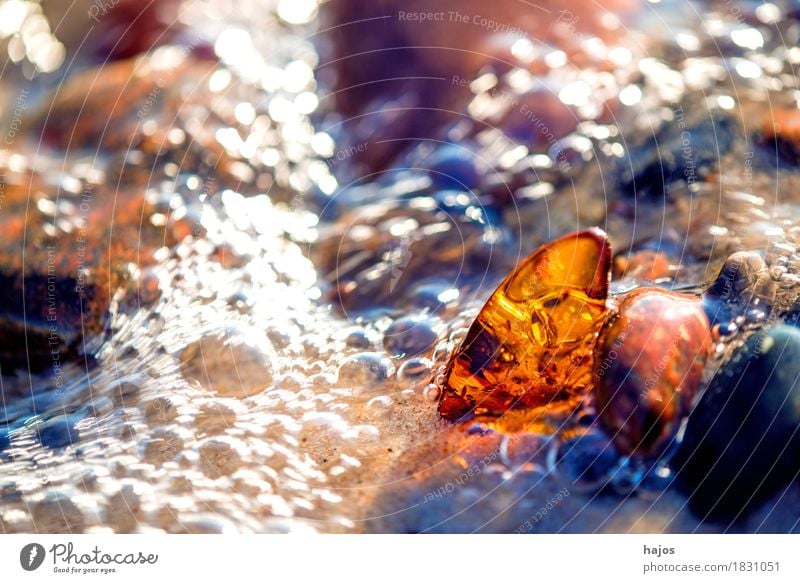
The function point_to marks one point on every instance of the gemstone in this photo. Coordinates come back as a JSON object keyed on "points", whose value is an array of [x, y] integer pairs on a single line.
{"points": [[742, 442], [530, 348], [648, 367]]}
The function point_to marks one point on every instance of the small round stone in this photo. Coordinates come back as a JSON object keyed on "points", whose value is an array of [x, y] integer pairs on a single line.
{"points": [[648, 365], [743, 284], [741, 443], [57, 514], [409, 336], [740, 271], [365, 371]]}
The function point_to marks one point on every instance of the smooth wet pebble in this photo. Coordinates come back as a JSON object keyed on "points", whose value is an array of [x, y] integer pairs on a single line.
{"points": [[742, 442], [743, 284], [648, 366]]}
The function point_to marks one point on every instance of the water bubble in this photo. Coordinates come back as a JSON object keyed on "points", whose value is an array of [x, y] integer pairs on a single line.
{"points": [[211, 359], [414, 370], [379, 407], [431, 393]]}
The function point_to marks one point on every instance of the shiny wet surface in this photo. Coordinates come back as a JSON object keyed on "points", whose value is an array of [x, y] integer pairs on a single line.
{"points": [[283, 271]]}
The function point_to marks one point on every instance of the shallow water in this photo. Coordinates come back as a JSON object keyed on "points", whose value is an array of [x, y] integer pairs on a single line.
{"points": [[249, 377]]}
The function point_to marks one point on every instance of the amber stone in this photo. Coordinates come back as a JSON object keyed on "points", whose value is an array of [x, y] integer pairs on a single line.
{"points": [[529, 350], [648, 367]]}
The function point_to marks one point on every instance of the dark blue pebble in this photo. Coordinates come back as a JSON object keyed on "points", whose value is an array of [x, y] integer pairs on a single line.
{"points": [[59, 431], [742, 441], [409, 337]]}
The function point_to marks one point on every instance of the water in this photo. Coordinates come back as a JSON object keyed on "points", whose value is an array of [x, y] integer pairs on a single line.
{"points": [[252, 378]]}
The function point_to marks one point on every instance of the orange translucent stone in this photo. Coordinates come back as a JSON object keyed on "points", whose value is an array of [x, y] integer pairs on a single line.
{"points": [[529, 351]]}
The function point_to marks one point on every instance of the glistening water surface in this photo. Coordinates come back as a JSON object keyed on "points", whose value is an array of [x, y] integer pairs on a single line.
{"points": [[240, 242]]}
